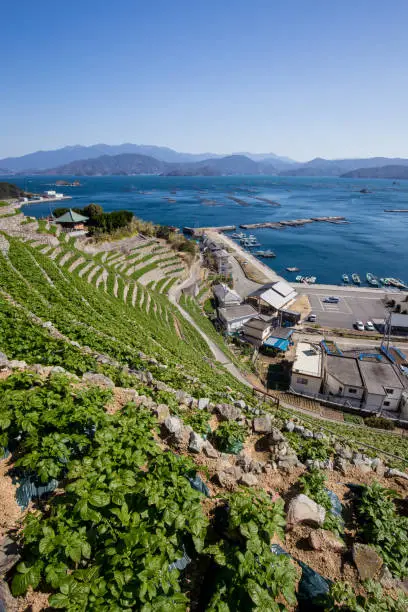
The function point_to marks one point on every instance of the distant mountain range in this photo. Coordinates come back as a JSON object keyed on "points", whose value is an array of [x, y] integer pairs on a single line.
{"points": [[384, 172], [133, 163], [102, 159], [42, 160]]}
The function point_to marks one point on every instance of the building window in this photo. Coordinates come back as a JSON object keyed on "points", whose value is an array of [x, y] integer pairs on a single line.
{"points": [[301, 381], [387, 403], [340, 389], [352, 390], [389, 391]]}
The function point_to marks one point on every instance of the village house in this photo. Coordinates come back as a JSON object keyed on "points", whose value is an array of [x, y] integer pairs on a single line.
{"points": [[225, 296], [307, 370], [233, 318]]}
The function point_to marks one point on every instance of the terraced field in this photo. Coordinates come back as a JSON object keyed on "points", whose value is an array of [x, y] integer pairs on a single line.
{"points": [[173, 477]]}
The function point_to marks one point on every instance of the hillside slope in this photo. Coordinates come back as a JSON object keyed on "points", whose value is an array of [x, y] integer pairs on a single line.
{"points": [[383, 172], [173, 477]]}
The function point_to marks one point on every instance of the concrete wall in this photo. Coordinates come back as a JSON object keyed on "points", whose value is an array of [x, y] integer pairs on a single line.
{"points": [[332, 385], [312, 385], [235, 325]]}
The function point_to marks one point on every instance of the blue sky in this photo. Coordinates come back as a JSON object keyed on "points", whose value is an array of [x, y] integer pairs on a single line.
{"points": [[302, 78]]}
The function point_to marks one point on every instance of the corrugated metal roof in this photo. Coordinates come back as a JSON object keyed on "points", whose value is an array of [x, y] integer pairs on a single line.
{"points": [[283, 288]]}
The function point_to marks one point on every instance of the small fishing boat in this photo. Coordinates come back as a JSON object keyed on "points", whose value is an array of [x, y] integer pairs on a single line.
{"points": [[372, 280], [385, 282], [254, 244], [345, 278], [356, 279], [239, 235], [299, 278], [310, 279], [267, 253], [396, 282], [292, 269]]}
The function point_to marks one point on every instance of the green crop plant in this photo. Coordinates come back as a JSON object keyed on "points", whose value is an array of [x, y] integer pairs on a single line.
{"points": [[343, 596], [309, 448], [249, 576], [229, 435], [380, 525], [312, 484]]}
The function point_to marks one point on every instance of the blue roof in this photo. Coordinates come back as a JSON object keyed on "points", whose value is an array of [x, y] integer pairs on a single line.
{"points": [[281, 344]]}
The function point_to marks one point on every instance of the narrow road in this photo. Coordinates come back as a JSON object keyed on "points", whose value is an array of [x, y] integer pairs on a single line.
{"points": [[174, 296]]}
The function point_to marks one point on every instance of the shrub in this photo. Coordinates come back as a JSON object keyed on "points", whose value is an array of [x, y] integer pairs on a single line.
{"points": [[379, 423]]}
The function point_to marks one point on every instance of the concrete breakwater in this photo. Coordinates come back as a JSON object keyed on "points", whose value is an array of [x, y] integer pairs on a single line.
{"points": [[292, 223], [199, 231]]}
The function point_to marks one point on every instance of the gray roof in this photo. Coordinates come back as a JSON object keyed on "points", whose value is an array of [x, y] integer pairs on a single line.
{"points": [[224, 294], [222, 253], [276, 295], [258, 324], [377, 375], [235, 313], [345, 370], [399, 320], [283, 288]]}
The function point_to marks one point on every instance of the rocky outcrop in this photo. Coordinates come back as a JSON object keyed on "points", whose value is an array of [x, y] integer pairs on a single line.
{"points": [[98, 379], [367, 561], [227, 412], [322, 539], [262, 424], [302, 509]]}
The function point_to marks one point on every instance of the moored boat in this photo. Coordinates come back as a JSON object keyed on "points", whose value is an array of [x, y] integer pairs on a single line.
{"points": [[292, 269], [267, 253], [372, 280], [345, 278], [299, 278], [356, 279]]}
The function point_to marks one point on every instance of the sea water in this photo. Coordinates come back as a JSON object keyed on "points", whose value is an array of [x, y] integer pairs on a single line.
{"points": [[372, 240]]}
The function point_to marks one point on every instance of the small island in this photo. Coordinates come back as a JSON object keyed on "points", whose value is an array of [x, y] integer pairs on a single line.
{"points": [[67, 184]]}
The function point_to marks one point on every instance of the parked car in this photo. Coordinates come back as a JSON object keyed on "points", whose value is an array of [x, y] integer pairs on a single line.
{"points": [[312, 318], [332, 300], [359, 325], [370, 326]]}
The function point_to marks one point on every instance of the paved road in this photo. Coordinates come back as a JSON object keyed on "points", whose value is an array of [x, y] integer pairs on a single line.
{"points": [[174, 296], [350, 343], [242, 284], [354, 305]]}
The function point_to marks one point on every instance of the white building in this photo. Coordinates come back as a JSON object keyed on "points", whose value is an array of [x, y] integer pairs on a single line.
{"points": [[307, 369], [234, 317], [383, 385], [274, 296], [343, 379]]}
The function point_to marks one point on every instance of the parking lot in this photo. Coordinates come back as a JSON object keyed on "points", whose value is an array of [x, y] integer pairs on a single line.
{"points": [[352, 306]]}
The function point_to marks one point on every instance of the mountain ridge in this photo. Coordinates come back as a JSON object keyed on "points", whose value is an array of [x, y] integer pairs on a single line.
{"points": [[132, 163], [386, 172], [43, 160]]}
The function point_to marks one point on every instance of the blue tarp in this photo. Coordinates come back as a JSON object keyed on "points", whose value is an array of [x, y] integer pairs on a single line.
{"points": [[277, 343]]}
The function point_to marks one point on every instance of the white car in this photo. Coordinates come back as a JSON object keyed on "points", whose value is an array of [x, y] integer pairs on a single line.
{"points": [[359, 325], [370, 326]]}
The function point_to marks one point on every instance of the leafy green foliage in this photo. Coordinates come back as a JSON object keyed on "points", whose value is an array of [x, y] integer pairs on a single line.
{"points": [[382, 526], [343, 596], [46, 424], [250, 576], [228, 435], [309, 448], [379, 423], [198, 420], [312, 484]]}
